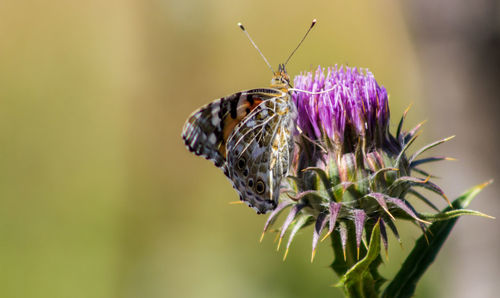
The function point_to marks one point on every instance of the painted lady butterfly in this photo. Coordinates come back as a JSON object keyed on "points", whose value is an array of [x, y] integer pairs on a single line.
{"points": [[249, 135]]}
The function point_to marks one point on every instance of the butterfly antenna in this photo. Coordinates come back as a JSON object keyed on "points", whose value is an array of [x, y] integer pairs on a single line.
{"points": [[303, 38], [255, 46]]}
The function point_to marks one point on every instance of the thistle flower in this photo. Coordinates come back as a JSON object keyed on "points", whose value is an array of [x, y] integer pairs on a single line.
{"points": [[349, 172], [350, 176]]}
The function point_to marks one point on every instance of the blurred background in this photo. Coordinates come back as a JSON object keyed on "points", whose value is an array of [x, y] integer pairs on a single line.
{"points": [[99, 197]]}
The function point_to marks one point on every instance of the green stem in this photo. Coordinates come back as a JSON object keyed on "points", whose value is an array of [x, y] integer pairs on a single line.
{"points": [[354, 291]]}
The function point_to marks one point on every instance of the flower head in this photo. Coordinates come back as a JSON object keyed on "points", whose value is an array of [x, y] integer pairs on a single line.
{"points": [[349, 172], [347, 103]]}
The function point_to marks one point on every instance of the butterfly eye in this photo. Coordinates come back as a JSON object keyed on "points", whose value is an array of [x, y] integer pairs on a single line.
{"points": [[260, 187], [241, 163]]}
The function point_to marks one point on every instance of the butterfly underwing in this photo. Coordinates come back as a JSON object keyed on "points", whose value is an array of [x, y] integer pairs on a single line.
{"points": [[249, 135]]}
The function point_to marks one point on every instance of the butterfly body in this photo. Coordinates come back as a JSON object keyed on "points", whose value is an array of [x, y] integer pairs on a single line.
{"points": [[249, 135]]}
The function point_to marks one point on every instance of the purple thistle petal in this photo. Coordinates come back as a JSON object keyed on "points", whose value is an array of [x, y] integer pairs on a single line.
{"points": [[359, 222], [346, 99], [326, 113]]}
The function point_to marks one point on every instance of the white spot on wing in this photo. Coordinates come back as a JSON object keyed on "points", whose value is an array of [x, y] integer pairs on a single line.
{"points": [[251, 123], [212, 138], [215, 120]]}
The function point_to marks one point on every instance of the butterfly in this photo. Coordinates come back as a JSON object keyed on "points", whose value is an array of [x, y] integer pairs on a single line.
{"points": [[249, 135]]}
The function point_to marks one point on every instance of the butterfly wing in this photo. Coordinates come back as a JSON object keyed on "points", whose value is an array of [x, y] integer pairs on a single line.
{"points": [[206, 131], [202, 132], [259, 152]]}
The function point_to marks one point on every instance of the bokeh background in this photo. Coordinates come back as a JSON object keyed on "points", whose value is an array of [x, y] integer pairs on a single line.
{"points": [[99, 197]]}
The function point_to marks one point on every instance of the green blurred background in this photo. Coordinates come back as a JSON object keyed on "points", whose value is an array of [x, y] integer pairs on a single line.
{"points": [[99, 197]]}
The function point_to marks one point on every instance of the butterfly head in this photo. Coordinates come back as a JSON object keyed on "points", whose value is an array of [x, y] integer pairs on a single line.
{"points": [[280, 80]]}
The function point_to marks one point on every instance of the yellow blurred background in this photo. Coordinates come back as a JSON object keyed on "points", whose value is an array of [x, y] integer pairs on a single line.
{"points": [[99, 197]]}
